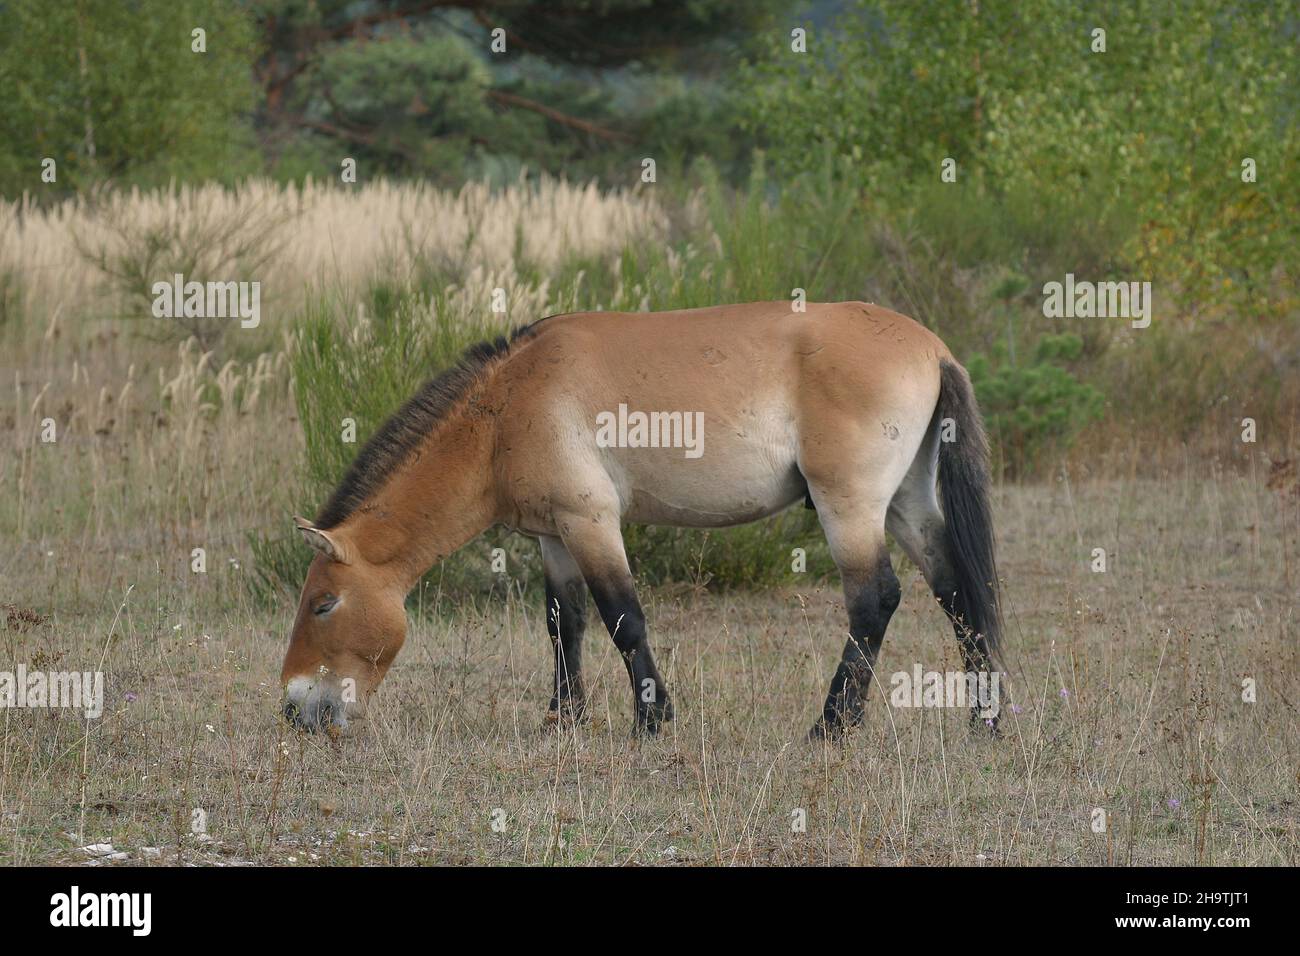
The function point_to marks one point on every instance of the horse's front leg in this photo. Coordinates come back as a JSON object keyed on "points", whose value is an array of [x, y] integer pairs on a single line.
{"points": [[566, 621], [596, 545]]}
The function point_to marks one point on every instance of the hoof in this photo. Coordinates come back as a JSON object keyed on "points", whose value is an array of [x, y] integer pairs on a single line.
{"points": [[565, 713], [651, 718], [822, 732]]}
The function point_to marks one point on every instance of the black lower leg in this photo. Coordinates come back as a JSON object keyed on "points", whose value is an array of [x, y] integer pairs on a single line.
{"points": [[872, 599], [975, 655], [624, 619], [566, 621]]}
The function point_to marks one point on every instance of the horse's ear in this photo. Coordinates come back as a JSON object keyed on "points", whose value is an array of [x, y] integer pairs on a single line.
{"points": [[326, 542]]}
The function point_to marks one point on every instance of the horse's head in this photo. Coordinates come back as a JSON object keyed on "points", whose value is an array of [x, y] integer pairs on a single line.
{"points": [[351, 623]]}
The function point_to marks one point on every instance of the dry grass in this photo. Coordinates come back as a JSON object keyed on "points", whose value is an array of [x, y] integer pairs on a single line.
{"points": [[1128, 686], [87, 259]]}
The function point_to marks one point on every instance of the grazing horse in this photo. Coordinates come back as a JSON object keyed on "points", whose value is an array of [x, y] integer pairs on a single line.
{"points": [[581, 422]]}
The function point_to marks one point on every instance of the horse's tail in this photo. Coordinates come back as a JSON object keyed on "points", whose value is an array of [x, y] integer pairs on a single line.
{"points": [[964, 491]]}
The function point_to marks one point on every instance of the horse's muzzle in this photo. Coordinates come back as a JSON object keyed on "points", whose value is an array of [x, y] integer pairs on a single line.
{"points": [[313, 705]]}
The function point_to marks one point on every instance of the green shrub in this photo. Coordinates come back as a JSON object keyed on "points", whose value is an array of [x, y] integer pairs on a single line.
{"points": [[196, 237], [1034, 409], [756, 555]]}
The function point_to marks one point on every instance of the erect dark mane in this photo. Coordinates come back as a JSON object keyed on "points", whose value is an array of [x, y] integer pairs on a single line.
{"points": [[396, 440]]}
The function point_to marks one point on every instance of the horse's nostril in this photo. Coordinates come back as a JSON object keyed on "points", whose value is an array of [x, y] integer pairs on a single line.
{"points": [[294, 716], [314, 709]]}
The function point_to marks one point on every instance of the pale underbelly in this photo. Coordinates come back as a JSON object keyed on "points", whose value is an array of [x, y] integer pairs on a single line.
{"points": [[743, 472], [715, 504], [748, 470]]}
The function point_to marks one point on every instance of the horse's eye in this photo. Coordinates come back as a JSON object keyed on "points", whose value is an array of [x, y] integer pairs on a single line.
{"points": [[326, 605]]}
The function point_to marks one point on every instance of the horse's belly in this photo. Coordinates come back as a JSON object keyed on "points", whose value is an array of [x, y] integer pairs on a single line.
{"points": [[664, 506], [738, 478]]}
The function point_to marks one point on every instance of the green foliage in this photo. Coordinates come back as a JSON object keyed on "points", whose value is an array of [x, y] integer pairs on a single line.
{"points": [[1037, 408], [413, 105], [753, 555], [113, 91], [364, 365], [580, 87], [1041, 232], [280, 563], [1159, 122]]}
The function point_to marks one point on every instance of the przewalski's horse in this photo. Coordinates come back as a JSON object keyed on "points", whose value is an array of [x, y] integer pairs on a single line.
{"points": [[861, 411]]}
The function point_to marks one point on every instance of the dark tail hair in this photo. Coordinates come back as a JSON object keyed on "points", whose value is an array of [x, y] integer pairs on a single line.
{"points": [[964, 491]]}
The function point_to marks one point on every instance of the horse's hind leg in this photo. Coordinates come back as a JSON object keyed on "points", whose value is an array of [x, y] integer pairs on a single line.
{"points": [[566, 621], [856, 537], [917, 524]]}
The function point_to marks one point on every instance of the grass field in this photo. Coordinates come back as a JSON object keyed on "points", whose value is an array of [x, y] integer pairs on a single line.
{"points": [[124, 447], [1127, 686]]}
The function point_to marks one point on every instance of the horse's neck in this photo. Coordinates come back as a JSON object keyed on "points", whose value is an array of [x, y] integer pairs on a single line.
{"points": [[442, 498]]}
